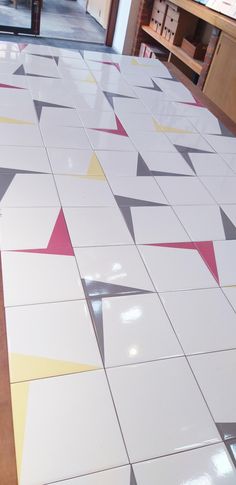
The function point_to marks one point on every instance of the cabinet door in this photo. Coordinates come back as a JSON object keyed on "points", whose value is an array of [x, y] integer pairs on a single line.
{"points": [[220, 85]]}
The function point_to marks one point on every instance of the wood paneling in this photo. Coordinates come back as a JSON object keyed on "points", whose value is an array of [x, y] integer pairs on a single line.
{"points": [[220, 85]]}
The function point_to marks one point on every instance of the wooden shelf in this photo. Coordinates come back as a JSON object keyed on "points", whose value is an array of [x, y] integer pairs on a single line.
{"points": [[214, 18], [194, 64]]}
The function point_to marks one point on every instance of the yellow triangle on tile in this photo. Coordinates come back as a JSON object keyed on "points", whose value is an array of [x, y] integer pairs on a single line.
{"points": [[13, 121], [95, 169], [89, 79], [168, 129], [19, 397], [27, 367], [134, 62]]}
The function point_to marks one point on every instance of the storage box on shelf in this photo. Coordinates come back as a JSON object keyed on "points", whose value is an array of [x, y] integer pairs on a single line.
{"points": [[178, 24], [158, 15]]}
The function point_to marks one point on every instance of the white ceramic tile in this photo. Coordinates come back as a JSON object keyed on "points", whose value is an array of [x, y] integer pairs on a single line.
{"points": [[97, 101], [174, 269], [225, 253], [41, 66], [222, 144], [230, 159], [64, 137], [177, 124], [50, 339], [71, 161], [20, 135], [230, 293], [160, 399], [203, 466], [223, 189], [166, 163], [207, 124], [27, 228], [217, 383], [202, 222], [184, 191], [124, 105], [142, 188], [60, 116], [32, 159], [137, 122], [39, 278], [172, 108], [176, 89], [151, 141], [204, 321], [98, 119], [71, 62], [156, 225], [100, 140], [96, 226], [116, 476], [59, 415], [19, 113], [26, 190], [118, 163], [194, 141], [209, 164], [117, 265], [78, 191], [136, 329]]}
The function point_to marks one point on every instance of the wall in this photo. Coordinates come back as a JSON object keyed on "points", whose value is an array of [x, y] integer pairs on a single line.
{"points": [[126, 26], [99, 9]]}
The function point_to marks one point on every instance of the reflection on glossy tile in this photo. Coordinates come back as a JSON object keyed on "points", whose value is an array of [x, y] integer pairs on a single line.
{"points": [[160, 392], [76, 191], [135, 329], [203, 466]]}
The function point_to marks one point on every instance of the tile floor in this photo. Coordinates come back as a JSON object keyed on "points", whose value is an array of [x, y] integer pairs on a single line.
{"points": [[118, 247]]}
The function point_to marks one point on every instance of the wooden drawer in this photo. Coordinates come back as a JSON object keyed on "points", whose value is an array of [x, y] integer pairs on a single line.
{"points": [[171, 24], [160, 5]]}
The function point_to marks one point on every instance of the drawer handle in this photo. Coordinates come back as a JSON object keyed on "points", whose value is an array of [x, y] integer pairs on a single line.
{"points": [[218, 49]]}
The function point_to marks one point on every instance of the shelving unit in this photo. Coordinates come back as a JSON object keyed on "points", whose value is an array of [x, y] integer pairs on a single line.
{"points": [[194, 64]]}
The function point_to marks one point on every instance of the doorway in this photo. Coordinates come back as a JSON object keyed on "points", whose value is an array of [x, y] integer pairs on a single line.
{"points": [[90, 21]]}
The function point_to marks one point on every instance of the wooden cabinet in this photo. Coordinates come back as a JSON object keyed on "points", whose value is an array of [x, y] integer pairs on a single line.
{"points": [[220, 85], [99, 9]]}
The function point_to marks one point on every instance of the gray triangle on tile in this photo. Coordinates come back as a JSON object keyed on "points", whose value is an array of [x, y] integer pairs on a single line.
{"points": [[41, 55], [95, 306], [142, 168], [231, 447], [5, 182], [169, 174], [184, 152], [126, 212], [224, 130], [102, 289], [20, 71], [229, 227], [15, 171], [133, 480], [110, 97], [39, 75], [56, 59], [130, 202], [155, 87], [39, 105], [227, 430]]}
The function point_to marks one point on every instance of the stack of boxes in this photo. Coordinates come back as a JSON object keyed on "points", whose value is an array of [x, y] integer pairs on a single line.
{"points": [[171, 22], [158, 15]]}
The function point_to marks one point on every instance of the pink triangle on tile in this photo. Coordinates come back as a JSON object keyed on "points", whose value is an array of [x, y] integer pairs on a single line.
{"points": [[180, 245], [22, 46], [59, 242], [110, 63], [207, 252], [9, 86], [118, 131]]}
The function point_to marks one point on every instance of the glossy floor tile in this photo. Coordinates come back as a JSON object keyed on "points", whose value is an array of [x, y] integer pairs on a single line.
{"points": [[165, 396], [118, 252]]}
